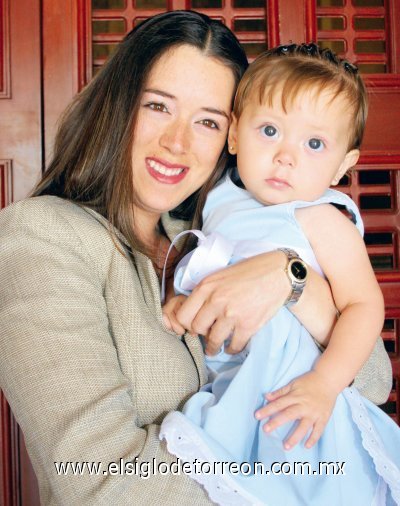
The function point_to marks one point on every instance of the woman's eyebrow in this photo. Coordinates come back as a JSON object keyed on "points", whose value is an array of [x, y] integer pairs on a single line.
{"points": [[159, 92], [212, 110], [216, 111]]}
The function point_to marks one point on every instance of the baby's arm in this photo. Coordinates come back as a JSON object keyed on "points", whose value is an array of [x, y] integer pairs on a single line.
{"points": [[341, 253]]}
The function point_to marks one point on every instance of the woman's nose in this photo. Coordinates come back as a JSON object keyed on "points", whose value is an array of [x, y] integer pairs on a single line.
{"points": [[175, 138]]}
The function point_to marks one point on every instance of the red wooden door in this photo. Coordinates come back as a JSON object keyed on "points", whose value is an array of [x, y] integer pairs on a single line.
{"points": [[48, 55], [20, 168]]}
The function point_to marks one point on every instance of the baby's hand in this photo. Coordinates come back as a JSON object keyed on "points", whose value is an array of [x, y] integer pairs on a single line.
{"points": [[169, 314], [309, 399]]}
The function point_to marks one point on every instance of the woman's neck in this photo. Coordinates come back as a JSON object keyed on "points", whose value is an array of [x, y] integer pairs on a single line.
{"points": [[146, 228]]}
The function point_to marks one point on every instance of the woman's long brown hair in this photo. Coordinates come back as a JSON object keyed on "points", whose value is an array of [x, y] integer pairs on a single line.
{"points": [[92, 162]]}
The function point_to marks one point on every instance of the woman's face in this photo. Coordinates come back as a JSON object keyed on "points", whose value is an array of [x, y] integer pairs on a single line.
{"points": [[181, 129]]}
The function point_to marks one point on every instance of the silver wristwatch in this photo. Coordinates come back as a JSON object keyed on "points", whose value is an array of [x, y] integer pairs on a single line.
{"points": [[296, 271]]}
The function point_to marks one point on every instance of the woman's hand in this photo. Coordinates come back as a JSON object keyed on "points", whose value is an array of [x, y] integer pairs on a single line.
{"points": [[169, 314], [236, 301], [310, 399]]}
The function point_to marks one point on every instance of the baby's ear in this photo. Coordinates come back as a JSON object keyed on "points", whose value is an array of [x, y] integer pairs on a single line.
{"points": [[232, 135], [349, 161]]}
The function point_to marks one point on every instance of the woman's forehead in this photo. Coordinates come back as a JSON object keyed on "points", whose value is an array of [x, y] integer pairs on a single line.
{"points": [[187, 71]]}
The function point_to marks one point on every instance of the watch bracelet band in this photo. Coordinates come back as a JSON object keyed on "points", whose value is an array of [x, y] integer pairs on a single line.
{"points": [[297, 288], [290, 253]]}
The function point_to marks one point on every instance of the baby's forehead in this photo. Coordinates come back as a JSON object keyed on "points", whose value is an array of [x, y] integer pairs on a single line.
{"points": [[309, 108], [288, 93]]}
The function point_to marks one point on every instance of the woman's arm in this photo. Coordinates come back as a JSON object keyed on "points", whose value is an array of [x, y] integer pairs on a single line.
{"points": [[244, 296], [61, 372]]}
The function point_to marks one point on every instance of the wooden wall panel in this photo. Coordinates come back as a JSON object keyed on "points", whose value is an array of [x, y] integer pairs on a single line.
{"points": [[6, 183], [66, 62], [20, 168], [4, 49], [9, 458], [20, 95]]}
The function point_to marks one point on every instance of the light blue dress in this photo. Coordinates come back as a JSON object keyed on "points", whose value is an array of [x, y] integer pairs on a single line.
{"points": [[217, 425]]}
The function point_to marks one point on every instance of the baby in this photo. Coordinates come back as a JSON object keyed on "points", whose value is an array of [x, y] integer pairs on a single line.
{"points": [[297, 127]]}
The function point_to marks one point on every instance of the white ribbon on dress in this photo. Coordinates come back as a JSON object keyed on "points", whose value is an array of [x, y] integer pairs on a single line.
{"points": [[213, 252]]}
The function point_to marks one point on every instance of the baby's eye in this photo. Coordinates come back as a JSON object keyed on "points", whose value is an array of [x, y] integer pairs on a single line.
{"points": [[316, 144], [209, 123], [269, 131], [157, 106]]}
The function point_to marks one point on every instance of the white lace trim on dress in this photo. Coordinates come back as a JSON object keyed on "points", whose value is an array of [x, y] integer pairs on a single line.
{"points": [[372, 443]]}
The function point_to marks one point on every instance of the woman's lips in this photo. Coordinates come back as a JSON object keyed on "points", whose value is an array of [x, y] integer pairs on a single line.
{"points": [[278, 184], [165, 172]]}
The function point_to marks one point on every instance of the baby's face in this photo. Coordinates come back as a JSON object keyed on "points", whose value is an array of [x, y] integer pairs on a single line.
{"points": [[293, 155]]}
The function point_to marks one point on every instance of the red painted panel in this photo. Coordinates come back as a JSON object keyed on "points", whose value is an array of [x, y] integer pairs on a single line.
{"points": [[67, 60], [20, 103], [4, 49], [20, 167], [6, 183], [382, 132], [9, 459]]}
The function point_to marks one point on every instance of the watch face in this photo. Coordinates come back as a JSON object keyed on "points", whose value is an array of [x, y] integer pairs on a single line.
{"points": [[298, 270]]}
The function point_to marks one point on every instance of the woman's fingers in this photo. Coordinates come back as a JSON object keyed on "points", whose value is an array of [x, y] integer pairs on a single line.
{"points": [[176, 326], [169, 314], [239, 339], [190, 308], [167, 321], [234, 294], [220, 331]]}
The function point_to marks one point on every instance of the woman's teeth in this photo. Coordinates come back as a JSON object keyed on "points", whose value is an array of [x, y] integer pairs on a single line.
{"points": [[163, 170]]}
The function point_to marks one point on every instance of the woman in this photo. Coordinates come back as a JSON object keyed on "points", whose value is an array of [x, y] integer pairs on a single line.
{"points": [[87, 363]]}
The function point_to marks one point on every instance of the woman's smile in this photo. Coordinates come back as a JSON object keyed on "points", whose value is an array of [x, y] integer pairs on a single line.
{"points": [[165, 172]]}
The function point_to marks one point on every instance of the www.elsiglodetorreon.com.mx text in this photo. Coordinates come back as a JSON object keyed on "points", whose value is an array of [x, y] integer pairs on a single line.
{"points": [[145, 469]]}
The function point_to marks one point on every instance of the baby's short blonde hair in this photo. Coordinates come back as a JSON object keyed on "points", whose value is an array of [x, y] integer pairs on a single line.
{"points": [[297, 68]]}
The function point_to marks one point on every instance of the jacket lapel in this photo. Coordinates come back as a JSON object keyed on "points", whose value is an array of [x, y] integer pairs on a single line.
{"points": [[150, 285], [195, 348]]}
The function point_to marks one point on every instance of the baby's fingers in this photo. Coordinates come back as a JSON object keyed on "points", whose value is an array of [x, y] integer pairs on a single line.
{"points": [[315, 434], [273, 407], [271, 396], [288, 415], [298, 434]]}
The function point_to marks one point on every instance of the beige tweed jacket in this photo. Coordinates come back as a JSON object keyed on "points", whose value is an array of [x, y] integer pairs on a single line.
{"points": [[85, 360]]}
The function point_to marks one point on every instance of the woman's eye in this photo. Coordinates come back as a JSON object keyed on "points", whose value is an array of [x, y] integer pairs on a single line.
{"points": [[316, 144], [209, 123], [157, 106], [269, 131]]}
